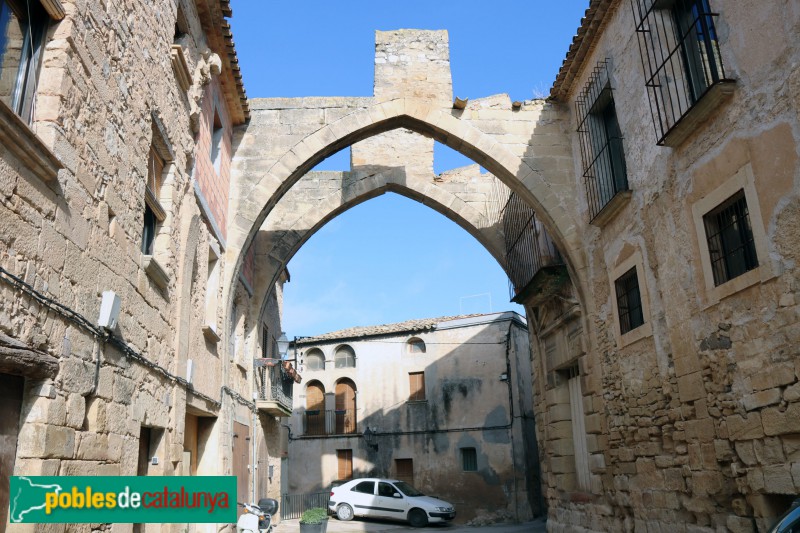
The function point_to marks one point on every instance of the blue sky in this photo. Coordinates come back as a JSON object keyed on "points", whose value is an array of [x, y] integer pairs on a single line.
{"points": [[392, 259]]}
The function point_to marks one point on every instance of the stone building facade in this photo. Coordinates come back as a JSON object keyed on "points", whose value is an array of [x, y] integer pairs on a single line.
{"points": [[648, 220], [116, 122], [444, 404], [664, 170]]}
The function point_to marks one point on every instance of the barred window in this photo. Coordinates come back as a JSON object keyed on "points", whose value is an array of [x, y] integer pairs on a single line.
{"points": [[730, 239], [469, 459], [629, 302], [600, 136], [680, 57]]}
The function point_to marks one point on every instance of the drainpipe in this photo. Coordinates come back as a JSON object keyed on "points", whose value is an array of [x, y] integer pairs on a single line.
{"points": [[254, 469]]}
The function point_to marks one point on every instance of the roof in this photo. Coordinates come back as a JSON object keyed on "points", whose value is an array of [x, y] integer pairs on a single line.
{"points": [[582, 45], [218, 32], [409, 326]]}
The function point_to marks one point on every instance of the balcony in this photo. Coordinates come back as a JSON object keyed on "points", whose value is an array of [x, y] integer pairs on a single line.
{"points": [[274, 382], [536, 269], [317, 422]]}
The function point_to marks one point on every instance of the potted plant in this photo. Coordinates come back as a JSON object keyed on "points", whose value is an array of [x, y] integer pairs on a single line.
{"points": [[314, 520]]}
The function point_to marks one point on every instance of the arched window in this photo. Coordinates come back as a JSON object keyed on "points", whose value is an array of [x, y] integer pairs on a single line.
{"points": [[345, 406], [345, 357], [314, 422], [315, 360], [415, 345]]}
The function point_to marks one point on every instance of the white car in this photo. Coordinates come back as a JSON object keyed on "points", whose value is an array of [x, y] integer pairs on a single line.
{"points": [[388, 498]]}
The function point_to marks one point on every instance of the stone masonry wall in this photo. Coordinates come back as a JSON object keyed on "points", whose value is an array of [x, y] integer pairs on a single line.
{"points": [[108, 91], [695, 427]]}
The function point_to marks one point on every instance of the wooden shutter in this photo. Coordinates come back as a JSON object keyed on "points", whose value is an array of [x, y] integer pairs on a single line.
{"points": [[345, 407], [315, 409], [345, 459], [416, 386], [315, 397]]}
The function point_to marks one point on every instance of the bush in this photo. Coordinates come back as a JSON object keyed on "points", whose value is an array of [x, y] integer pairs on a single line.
{"points": [[314, 516]]}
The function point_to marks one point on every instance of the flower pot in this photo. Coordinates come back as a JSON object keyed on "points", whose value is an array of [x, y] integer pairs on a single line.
{"points": [[314, 528]]}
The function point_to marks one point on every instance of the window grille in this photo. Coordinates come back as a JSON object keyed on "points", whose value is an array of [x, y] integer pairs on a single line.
{"points": [[680, 56], [469, 459], [730, 239], [529, 247], [629, 302], [600, 137]]}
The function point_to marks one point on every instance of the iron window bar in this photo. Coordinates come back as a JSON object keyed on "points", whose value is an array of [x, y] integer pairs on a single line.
{"points": [[731, 246], [602, 154], [680, 65], [629, 301]]}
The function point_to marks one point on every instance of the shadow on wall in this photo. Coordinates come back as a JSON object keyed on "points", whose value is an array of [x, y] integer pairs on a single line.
{"points": [[456, 442]]}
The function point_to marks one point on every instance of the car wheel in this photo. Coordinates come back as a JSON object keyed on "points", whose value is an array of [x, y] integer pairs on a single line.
{"points": [[417, 518], [344, 512]]}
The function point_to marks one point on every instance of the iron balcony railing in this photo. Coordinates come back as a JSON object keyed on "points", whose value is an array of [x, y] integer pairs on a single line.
{"points": [[274, 384], [529, 248], [680, 57], [329, 422]]}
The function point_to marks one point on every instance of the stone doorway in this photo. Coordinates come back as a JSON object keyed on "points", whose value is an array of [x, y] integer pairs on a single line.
{"points": [[11, 388]]}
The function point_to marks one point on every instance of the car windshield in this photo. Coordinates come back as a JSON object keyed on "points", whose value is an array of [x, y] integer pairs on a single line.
{"points": [[407, 489]]}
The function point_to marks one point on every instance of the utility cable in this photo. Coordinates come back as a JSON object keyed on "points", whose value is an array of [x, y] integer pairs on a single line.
{"points": [[107, 337]]}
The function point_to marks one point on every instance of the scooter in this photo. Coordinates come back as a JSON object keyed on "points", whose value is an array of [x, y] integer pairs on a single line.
{"points": [[257, 518]]}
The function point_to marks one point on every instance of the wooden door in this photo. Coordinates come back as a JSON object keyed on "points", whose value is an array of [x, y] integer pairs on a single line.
{"points": [[10, 407], [405, 470], [578, 432], [345, 407], [263, 469], [241, 455], [345, 460]]}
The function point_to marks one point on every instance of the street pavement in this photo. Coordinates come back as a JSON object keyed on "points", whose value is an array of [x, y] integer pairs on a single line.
{"points": [[365, 525]]}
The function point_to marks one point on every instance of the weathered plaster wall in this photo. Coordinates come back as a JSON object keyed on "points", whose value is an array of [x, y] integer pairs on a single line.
{"points": [[467, 405]]}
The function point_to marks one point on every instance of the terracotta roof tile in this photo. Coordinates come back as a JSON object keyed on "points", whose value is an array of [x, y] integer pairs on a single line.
{"points": [[409, 326], [582, 45]]}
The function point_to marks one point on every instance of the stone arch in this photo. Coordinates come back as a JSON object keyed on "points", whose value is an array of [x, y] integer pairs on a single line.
{"points": [[347, 353], [273, 256], [257, 198], [315, 355]]}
